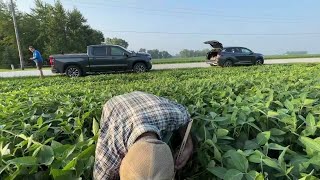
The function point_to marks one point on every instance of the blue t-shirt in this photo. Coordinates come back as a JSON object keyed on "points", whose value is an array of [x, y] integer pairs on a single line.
{"points": [[37, 56]]}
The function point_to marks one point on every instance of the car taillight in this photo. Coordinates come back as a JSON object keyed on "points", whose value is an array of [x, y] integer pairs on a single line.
{"points": [[51, 60]]}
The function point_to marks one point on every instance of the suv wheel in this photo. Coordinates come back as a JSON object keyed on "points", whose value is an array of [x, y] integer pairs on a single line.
{"points": [[259, 62], [227, 63], [73, 71], [139, 68]]}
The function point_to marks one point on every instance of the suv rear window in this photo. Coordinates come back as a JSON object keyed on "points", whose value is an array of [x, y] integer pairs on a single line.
{"points": [[99, 51]]}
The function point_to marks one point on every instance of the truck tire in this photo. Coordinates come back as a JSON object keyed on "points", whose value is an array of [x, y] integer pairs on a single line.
{"points": [[259, 62], [73, 71], [139, 68], [227, 63]]}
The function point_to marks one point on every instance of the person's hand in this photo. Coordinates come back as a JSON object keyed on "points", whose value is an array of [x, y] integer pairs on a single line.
{"points": [[185, 155]]}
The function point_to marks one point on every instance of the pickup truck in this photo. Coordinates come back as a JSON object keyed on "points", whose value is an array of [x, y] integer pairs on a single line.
{"points": [[100, 58]]}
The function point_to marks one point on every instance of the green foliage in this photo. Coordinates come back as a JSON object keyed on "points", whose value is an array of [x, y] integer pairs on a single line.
{"points": [[117, 41], [249, 122], [156, 54], [49, 28], [9, 57], [185, 53]]}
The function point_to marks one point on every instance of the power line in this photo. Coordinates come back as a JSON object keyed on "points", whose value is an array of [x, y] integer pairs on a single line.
{"points": [[192, 10], [95, 5], [218, 34]]}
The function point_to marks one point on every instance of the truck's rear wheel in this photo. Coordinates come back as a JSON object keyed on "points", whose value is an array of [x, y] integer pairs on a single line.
{"points": [[139, 68], [73, 71]]}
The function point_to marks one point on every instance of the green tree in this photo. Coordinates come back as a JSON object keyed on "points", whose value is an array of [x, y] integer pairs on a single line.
{"points": [[41, 15], [9, 57], [165, 54], [117, 41], [49, 28], [57, 29], [193, 53], [142, 50], [154, 53], [7, 35], [93, 36], [75, 32]]}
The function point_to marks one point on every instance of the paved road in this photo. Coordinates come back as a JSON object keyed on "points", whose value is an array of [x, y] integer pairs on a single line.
{"points": [[165, 66]]}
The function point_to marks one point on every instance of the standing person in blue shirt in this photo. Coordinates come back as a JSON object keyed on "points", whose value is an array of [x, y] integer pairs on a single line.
{"points": [[37, 58]]}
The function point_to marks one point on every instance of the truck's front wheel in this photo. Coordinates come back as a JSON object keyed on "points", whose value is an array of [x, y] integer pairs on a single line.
{"points": [[73, 71], [139, 68]]}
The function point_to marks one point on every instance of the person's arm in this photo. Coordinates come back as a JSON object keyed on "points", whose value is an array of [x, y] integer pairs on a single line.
{"points": [[187, 152], [34, 56]]}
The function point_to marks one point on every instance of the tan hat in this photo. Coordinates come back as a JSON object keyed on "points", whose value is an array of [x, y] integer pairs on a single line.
{"points": [[147, 159]]}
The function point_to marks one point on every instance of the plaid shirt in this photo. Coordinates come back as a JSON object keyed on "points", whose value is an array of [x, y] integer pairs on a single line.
{"points": [[124, 119]]}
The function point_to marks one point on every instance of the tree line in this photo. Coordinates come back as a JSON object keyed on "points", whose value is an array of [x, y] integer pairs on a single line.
{"points": [[185, 53], [52, 29], [193, 53], [49, 28]]}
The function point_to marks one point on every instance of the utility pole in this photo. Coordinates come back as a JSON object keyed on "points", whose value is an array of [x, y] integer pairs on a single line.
{"points": [[17, 34]]}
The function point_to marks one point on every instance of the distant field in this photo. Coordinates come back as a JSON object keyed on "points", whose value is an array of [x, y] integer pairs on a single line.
{"points": [[201, 59]]}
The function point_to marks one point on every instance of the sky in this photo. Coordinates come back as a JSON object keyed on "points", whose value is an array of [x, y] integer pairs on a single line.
{"points": [[264, 26]]}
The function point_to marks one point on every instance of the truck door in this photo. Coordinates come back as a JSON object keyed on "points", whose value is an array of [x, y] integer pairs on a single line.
{"points": [[99, 60], [119, 58]]}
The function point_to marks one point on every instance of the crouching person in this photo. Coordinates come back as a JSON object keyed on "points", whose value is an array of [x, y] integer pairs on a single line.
{"points": [[130, 145]]}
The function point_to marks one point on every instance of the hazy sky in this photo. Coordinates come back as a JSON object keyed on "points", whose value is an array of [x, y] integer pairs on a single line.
{"points": [[266, 26]]}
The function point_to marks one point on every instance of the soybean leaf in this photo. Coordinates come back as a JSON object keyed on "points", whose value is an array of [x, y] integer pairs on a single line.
{"points": [[55, 144], [289, 105], [263, 137], [310, 143], [80, 138], [218, 171], [233, 174], [275, 146], [311, 124], [26, 160], [59, 174], [272, 114], [40, 122], [45, 155], [260, 177], [251, 175], [95, 127], [308, 176], [71, 165], [309, 101], [87, 152], [239, 161], [217, 154], [222, 132], [277, 132], [249, 144], [281, 159], [220, 119], [315, 160], [256, 157], [271, 163], [211, 164]]}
